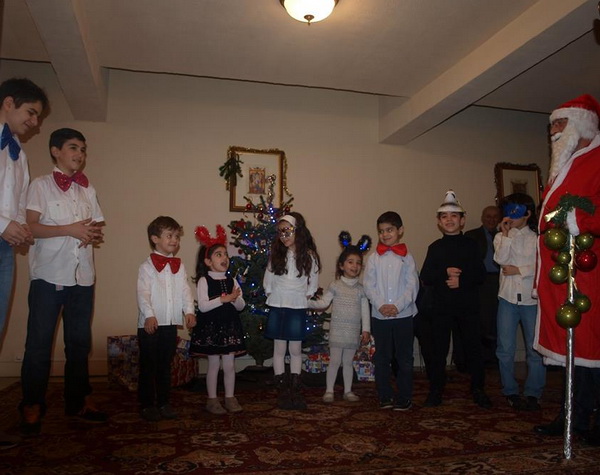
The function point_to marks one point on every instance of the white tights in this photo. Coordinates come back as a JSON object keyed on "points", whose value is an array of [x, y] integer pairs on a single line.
{"points": [[339, 356], [279, 350], [212, 374]]}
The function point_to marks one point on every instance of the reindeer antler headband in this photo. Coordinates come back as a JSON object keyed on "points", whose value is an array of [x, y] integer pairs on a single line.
{"points": [[363, 244], [204, 237]]}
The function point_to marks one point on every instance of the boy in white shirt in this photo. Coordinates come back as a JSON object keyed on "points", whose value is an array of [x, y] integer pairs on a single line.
{"points": [[66, 221], [164, 297], [21, 104]]}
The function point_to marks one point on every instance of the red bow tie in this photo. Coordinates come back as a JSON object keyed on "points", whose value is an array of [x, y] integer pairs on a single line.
{"points": [[399, 249], [161, 261], [64, 182]]}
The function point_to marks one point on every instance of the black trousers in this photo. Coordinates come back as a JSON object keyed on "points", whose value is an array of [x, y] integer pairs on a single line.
{"points": [[468, 325], [156, 353]]}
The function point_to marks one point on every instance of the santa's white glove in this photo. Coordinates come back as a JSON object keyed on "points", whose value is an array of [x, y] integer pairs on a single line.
{"points": [[572, 223]]}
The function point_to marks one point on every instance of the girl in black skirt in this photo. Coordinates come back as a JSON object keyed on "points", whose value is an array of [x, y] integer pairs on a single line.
{"points": [[218, 335]]}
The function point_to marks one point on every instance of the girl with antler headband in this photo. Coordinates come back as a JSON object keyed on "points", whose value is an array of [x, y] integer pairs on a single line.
{"points": [[218, 334], [289, 281], [349, 314]]}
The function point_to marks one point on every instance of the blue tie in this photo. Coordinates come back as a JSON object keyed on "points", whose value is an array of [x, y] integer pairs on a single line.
{"points": [[7, 139]]}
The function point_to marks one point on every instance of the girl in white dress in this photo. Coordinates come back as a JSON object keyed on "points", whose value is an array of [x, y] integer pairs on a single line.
{"points": [[350, 315]]}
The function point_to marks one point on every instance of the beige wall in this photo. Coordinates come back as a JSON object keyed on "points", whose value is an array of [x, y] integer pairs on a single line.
{"points": [[165, 137]]}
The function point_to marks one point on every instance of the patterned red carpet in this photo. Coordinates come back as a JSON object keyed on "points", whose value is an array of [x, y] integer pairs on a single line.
{"points": [[457, 437]]}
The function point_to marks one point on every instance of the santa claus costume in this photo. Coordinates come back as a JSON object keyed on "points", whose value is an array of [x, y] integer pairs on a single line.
{"points": [[577, 174]]}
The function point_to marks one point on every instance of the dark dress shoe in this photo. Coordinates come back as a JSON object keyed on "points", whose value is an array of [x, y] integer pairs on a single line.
{"points": [[554, 429]]}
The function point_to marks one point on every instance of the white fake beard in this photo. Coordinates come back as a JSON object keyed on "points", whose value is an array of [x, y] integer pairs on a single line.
{"points": [[563, 146]]}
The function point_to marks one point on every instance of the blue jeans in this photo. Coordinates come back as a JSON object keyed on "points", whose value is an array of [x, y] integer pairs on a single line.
{"points": [[7, 267], [45, 305], [509, 317], [393, 340]]}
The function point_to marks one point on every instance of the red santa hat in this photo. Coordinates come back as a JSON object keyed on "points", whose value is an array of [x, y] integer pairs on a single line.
{"points": [[583, 112]]}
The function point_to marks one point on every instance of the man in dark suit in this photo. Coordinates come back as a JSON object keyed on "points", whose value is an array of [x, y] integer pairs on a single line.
{"points": [[488, 292]]}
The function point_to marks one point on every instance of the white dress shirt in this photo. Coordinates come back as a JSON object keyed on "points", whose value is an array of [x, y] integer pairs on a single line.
{"points": [[289, 290], [517, 249], [14, 180], [59, 260], [391, 279], [163, 295]]}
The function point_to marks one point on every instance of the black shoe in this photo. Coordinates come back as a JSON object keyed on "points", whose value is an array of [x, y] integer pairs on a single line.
{"points": [[434, 399], [88, 414], [554, 429], [151, 414], [167, 412], [516, 402], [404, 405], [8, 441], [593, 437], [532, 404], [386, 404], [480, 398]]}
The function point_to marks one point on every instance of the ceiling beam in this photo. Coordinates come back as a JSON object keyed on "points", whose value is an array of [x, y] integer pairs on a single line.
{"points": [[540, 31], [65, 33]]}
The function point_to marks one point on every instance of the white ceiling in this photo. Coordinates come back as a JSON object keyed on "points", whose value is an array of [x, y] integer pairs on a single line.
{"points": [[426, 59]]}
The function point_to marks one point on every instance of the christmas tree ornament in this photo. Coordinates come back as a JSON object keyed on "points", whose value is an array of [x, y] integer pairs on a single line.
{"points": [[582, 303], [559, 274], [586, 260], [584, 241], [568, 316], [556, 239], [563, 257]]}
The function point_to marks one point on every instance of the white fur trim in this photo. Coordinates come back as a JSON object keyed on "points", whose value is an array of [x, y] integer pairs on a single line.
{"points": [[585, 121], [572, 223]]}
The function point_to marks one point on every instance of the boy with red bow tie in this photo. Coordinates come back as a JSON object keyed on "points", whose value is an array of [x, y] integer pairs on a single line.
{"points": [[164, 297], [455, 270], [391, 283], [66, 221]]}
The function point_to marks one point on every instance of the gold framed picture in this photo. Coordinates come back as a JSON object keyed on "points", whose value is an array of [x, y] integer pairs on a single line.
{"points": [[257, 167], [514, 178]]}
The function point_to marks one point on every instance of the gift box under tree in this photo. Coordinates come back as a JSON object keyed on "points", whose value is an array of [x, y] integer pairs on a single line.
{"points": [[124, 363]]}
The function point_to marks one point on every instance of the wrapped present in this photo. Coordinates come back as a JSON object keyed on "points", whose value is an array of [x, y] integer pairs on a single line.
{"points": [[123, 362], [183, 368], [365, 370], [363, 364], [316, 362]]}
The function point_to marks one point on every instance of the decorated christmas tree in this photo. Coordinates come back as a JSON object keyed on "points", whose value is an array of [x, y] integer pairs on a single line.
{"points": [[253, 239]]}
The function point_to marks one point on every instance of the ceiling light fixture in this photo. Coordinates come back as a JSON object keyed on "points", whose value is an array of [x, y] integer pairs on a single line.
{"points": [[309, 11]]}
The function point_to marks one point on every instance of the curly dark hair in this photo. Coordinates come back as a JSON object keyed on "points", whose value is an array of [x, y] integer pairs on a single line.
{"points": [[306, 250]]}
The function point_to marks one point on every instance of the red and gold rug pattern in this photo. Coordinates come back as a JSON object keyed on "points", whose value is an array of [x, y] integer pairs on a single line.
{"points": [[340, 438]]}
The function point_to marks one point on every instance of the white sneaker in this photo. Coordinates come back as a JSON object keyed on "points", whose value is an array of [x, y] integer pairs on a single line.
{"points": [[328, 397], [351, 397]]}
